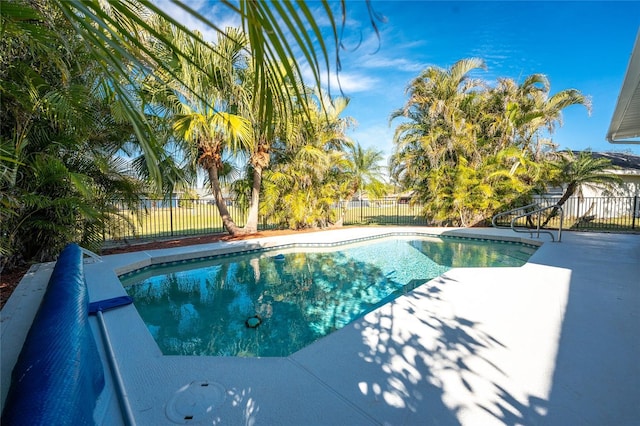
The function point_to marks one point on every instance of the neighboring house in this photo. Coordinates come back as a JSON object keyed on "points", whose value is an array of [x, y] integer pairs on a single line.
{"points": [[400, 198], [205, 196], [628, 169]]}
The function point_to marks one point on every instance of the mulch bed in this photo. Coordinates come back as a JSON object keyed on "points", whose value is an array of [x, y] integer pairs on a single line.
{"points": [[9, 280]]}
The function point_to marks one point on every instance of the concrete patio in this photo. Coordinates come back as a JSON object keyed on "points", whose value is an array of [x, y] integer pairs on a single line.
{"points": [[555, 342]]}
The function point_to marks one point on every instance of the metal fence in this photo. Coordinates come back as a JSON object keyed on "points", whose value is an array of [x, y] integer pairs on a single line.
{"points": [[381, 212], [616, 214], [171, 217], [158, 218]]}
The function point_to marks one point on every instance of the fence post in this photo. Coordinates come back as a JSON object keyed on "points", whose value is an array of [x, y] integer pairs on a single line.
{"points": [[171, 215], [634, 208]]}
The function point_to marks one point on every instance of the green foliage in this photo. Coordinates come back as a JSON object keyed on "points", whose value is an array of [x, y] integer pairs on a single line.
{"points": [[59, 175], [309, 169], [84, 81], [364, 172], [467, 149], [574, 173]]}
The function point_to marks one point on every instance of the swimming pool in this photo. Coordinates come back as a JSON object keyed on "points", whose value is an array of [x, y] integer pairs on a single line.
{"points": [[268, 303]]}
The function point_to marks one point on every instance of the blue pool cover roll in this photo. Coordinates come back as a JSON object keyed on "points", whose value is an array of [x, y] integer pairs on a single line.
{"points": [[58, 375]]}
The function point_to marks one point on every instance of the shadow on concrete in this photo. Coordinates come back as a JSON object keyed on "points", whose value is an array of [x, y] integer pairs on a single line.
{"points": [[597, 370], [419, 363]]}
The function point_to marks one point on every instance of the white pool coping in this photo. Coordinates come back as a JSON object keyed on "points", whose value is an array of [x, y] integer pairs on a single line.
{"points": [[556, 342]]}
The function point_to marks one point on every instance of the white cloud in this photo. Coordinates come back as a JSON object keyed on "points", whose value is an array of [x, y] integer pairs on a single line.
{"points": [[354, 83], [349, 82], [219, 15], [399, 64]]}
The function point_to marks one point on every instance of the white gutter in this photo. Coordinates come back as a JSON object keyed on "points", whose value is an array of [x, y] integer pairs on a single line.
{"points": [[625, 123]]}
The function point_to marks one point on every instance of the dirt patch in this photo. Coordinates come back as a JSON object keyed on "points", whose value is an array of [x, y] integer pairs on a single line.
{"points": [[9, 280]]}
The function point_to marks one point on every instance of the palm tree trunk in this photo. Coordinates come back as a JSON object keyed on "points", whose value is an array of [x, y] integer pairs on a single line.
{"points": [[345, 204], [216, 191], [252, 220], [571, 189], [343, 212]]}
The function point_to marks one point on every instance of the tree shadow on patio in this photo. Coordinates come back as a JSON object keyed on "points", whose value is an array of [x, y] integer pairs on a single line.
{"points": [[435, 367]]}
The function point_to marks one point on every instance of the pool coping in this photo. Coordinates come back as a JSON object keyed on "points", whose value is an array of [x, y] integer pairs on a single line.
{"points": [[198, 256], [304, 371]]}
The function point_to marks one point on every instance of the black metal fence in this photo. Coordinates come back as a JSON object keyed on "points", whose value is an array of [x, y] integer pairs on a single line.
{"points": [[381, 212], [616, 214], [157, 218], [170, 217]]}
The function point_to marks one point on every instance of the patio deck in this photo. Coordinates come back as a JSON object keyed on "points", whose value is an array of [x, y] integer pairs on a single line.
{"points": [[555, 342]]}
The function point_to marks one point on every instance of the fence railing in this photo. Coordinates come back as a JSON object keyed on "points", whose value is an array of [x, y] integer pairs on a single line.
{"points": [[157, 218], [381, 212], [171, 217], [619, 214]]}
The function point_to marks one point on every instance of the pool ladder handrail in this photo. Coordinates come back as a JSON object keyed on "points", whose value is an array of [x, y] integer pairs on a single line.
{"points": [[537, 231]]}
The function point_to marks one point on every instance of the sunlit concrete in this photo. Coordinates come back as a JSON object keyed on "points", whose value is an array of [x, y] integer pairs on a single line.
{"points": [[554, 342]]}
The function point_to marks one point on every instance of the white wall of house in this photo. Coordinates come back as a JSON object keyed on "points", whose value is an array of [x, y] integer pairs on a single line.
{"points": [[601, 201]]}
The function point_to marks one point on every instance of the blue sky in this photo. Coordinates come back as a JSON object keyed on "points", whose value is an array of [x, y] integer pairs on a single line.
{"points": [[581, 45], [585, 45]]}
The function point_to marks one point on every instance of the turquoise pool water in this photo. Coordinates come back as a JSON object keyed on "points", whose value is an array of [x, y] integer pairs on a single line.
{"points": [[208, 307]]}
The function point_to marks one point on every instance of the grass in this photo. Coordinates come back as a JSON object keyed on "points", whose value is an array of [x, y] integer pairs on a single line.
{"points": [[204, 218]]}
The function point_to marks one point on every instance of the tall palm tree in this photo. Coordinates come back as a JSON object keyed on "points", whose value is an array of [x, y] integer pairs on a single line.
{"points": [[308, 167], [439, 135], [208, 113], [265, 134], [362, 172], [118, 35]]}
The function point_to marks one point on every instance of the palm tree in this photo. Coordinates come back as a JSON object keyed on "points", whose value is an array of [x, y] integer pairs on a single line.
{"points": [[207, 114], [577, 172], [467, 147], [365, 171], [362, 173], [308, 167], [120, 38], [264, 136], [437, 145]]}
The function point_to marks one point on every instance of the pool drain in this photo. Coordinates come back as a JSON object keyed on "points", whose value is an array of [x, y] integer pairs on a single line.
{"points": [[196, 402], [253, 322]]}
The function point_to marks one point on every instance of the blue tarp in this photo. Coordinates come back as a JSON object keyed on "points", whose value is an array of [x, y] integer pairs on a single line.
{"points": [[58, 376]]}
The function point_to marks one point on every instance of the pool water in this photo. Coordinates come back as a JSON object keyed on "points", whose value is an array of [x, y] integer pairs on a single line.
{"points": [[209, 307]]}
